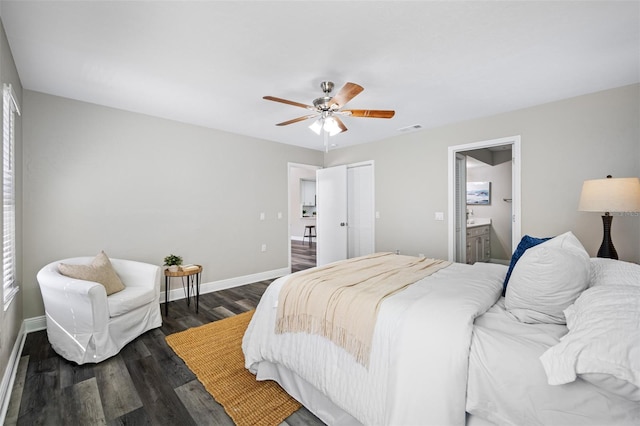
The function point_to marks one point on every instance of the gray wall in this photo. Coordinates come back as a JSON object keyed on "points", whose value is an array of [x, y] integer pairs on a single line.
{"points": [[140, 188], [563, 144], [11, 319]]}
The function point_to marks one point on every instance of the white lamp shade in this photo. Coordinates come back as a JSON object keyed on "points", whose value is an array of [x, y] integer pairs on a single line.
{"points": [[610, 195]]}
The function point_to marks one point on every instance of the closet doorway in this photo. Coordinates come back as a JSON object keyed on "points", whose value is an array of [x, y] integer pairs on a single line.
{"points": [[459, 209]]}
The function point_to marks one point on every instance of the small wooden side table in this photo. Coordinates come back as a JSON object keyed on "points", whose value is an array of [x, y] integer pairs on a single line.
{"points": [[192, 277]]}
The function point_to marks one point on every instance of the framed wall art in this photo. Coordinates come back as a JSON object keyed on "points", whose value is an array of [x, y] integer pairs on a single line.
{"points": [[478, 193]]}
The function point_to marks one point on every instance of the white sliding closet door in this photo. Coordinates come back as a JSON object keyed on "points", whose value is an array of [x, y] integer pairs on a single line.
{"points": [[360, 210]]}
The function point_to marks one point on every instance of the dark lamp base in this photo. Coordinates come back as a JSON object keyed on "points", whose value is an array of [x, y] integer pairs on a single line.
{"points": [[606, 248]]}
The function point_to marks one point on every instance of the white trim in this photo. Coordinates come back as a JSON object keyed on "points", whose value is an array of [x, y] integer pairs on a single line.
{"points": [[9, 376], [361, 164], [8, 89], [178, 293], [516, 227], [35, 324], [10, 282]]}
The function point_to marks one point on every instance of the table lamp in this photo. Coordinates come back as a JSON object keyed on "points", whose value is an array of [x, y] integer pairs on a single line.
{"points": [[610, 195]]}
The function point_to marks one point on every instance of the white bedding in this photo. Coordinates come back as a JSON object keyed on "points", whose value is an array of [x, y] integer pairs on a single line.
{"points": [[508, 385], [418, 367]]}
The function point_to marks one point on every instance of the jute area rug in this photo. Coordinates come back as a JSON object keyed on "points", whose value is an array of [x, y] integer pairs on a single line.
{"points": [[213, 352]]}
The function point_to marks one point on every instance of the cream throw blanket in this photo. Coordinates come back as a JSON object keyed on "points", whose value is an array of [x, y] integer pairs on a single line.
{"points": [[340, 301]]}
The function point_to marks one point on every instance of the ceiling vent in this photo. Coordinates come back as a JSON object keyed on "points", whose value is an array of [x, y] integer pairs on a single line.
{"points": [[410, 128]]}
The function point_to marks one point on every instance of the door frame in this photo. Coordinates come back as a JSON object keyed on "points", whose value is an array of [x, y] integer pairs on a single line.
{"points": [[460, 180], [290, 166], [516, 227]]}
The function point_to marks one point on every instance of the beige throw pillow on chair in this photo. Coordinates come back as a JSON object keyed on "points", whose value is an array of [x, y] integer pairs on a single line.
{"points": [[100, 270]]}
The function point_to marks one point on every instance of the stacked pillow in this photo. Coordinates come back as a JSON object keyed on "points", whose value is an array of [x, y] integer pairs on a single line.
{"points": [[603, 343], [546, 279], [525, 244], [614, 272]]}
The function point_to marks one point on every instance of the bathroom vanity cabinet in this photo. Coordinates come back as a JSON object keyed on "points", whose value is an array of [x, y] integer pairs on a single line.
{"points": [[478, 243]]}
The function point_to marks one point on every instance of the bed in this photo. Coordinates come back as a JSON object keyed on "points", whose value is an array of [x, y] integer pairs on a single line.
{"points": [[457, 347]]}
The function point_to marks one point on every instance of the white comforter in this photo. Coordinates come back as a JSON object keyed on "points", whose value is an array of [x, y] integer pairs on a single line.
{"points": [[419, 358]]}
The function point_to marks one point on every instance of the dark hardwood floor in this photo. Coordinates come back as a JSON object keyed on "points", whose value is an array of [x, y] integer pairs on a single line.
{"points": [[146, 383], [303, 255]]}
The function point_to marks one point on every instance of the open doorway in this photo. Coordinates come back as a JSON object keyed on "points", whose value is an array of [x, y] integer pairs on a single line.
{"points": [[484, 200], [302, 217]]}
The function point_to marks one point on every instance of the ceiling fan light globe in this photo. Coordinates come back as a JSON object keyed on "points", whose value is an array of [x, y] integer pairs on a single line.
{"points": [[316, 126], [331, 127]]}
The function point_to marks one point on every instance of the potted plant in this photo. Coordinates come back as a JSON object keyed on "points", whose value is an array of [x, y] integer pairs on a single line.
{"points": [[173, 262]]}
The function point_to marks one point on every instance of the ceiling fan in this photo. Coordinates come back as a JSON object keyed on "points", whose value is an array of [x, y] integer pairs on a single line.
{"points": [[328, 108]]}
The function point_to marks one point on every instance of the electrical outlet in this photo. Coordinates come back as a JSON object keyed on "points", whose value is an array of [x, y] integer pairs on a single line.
{"points": [[279, 215], [264, 247], [262, 216], [439, 216]]}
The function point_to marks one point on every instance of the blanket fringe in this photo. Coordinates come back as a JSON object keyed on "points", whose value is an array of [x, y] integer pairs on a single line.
{"points": [[303, 323]]}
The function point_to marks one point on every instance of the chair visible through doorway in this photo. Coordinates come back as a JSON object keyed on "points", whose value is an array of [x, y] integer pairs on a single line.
{"points": [[309, 232]]}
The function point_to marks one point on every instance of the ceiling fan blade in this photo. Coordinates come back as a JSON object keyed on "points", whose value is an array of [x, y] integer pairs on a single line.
{"points": [[288, 102], [340, 124], [371, 113], [295, 120], [348, 92]]}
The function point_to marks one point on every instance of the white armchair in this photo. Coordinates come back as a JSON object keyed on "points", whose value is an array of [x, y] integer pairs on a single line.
{"points": [[84, 324]]}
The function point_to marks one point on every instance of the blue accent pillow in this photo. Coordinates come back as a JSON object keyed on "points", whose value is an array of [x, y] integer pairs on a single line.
{"points": [[525, 243]]}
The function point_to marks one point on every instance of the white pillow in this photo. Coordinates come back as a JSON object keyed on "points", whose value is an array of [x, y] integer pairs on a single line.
{"points": [[603, 343], [614, 272], [547, 279]]}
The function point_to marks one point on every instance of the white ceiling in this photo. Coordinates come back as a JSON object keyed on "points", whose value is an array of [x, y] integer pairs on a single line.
{"points": [[210, 62]]}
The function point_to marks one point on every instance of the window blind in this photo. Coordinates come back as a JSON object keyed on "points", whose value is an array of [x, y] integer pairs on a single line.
{"points": [[9, 110]]}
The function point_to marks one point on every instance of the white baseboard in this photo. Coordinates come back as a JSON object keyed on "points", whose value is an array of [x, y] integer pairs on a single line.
{"points": [[178, 293], [9, 375], [35, 324]]}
